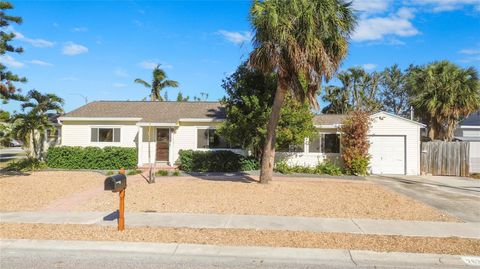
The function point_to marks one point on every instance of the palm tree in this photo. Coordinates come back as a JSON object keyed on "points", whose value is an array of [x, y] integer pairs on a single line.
{"points": [[159, 82], [31, 127], [442, 93], [303, 42]]}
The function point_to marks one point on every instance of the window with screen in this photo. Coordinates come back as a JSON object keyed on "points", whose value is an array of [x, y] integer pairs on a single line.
{"points": [[105, 135], [325, 143], [209, 139]]}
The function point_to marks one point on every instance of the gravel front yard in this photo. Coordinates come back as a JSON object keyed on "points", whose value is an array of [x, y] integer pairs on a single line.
{"points": [[333, 199], [238, 237], [37, 190]]}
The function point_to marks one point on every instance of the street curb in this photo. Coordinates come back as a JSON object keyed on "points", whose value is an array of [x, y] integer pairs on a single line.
{"points": [[292, 255]]}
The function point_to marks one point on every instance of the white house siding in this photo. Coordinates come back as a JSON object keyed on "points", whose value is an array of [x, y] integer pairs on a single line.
{"points": [[474, 156], [384, 124], [307, 158], [77, 133], [183, 137]]}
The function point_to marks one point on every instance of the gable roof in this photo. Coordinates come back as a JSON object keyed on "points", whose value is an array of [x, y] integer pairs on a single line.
{"points": [[328, 119], [147, 111], [399, 117], [472, 120]]}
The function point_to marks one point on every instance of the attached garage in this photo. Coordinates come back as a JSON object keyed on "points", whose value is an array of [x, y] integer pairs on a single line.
{"points": [[388, 154], [394, 145]]}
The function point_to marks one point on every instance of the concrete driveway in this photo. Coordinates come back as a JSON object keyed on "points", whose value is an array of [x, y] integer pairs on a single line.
{"points": [[456, 196]]}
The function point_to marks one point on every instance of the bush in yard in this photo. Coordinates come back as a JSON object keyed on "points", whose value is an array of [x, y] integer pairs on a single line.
{"points": [[214, 161], [162, 173], [324, 168], [91, 158], [26, 165], [355, 144]]}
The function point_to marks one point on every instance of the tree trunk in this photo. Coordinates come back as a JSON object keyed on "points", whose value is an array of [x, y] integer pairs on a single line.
{"points": [[268, 155]]}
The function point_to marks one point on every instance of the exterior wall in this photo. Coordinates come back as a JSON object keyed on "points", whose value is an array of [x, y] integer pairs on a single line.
{"points": [[467, 132], [307, 158], [183, 136], [474, 157], [384, 124], [77, 133]]}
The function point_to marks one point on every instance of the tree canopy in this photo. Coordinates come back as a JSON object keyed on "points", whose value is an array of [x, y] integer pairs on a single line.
{"points": [[248, 105], [303, 42], [8, 90], [159, 82], [442, 93]]}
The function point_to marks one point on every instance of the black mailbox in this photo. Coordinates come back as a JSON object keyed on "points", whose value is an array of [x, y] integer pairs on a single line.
{"points": [[115, 183]]}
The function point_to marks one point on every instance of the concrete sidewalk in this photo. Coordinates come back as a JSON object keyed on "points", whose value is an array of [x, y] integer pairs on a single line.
{"points": [[340, 257], [357, 226]]}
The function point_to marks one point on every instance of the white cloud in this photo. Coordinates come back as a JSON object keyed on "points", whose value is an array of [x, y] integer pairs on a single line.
{"points": [[10, 61], [369, 66], [38, 62], [371, 6], [80, 29], [137, 23], [71, 49], [119, 85], [470, 51], [447, 5], [377, 28], [236, 37], [41, 43], [120, 72], [151, 64]]}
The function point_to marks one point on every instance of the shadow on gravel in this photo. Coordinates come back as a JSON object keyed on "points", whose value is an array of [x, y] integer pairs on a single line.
{"points": [[232, 177], [112, 216]]}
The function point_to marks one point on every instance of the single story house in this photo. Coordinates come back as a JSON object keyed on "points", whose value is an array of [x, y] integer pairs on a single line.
{"points": [[469, 130], [172, 126]]}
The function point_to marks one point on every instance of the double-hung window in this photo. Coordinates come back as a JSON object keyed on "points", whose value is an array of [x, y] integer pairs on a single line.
{"points": [[105, 135], [209, 139], [325, 143]]}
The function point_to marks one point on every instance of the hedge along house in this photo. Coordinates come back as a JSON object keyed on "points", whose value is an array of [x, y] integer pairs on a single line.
{"points": [[173, 126]]}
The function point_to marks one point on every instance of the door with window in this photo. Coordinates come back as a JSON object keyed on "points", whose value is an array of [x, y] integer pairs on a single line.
{"points": [[163, 143]]}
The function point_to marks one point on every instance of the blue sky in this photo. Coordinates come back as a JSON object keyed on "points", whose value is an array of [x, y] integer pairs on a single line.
{"points": [[96, 49]]}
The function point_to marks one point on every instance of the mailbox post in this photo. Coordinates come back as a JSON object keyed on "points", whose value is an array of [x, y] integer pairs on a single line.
{"points": [[118, 183]]}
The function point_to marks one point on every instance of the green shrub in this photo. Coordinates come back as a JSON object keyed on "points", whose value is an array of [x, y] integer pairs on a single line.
{"points": [[325, 168], [283, 167], [109, 173], [91, 157], [214, 161], [176, 173], [134, 172], [359, 165], [249, 163], [162, 173], [328, 168], [26, 165]]}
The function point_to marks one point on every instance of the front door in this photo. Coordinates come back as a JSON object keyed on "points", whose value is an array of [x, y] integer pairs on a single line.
{"points": [[163, 143]]}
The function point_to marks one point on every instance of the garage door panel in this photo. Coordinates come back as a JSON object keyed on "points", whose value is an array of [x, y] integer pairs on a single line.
{"points": [[388, 154]]}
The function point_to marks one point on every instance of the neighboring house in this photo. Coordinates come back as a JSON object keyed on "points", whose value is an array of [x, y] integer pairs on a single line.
{"points": [[469, 130], [174, 126]]}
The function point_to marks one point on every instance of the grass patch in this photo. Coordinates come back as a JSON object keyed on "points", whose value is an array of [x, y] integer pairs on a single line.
{"points": [[176, 173], [25, 165]]}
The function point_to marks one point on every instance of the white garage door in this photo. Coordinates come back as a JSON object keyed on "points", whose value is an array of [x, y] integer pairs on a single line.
{"points": [[388, 155]]}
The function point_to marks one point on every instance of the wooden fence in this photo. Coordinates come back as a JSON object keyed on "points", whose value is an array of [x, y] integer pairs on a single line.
{"points": [[445, 158]]}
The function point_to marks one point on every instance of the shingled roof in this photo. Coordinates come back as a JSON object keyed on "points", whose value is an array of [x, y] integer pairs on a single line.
{"points": [[155, 112], [328, 119], [167, 112]]}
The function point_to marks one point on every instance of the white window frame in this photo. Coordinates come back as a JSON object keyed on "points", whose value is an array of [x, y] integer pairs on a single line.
{"points": [[98, 127], [207, 128], [320, 133]]}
